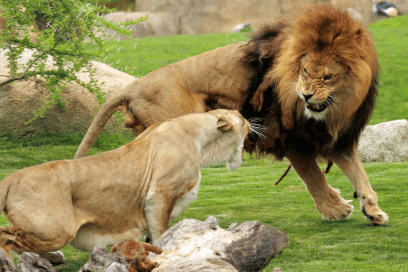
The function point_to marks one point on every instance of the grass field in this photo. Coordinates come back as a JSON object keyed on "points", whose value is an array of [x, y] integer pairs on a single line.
{"points": [[248, 193]]}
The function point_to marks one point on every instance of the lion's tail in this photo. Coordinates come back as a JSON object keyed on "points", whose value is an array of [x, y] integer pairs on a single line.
{"points": [[104, 114]]}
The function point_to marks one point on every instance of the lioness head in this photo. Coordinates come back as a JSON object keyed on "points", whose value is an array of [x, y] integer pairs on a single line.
{"points": [[228, 145]]}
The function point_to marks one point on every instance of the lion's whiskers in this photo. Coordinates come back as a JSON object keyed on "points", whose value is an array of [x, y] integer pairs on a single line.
{"points": [[335, 99], [255, 119], [331, 103], [257, 129]]}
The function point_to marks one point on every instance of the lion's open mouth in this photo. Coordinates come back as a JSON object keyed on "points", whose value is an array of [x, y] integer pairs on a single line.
{"points": [[320, 107], [316, 107]]}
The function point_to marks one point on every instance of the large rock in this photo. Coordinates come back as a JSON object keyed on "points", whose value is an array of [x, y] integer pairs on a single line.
{"points": [[385, 142], [202, 246], [157, 24], [19, 99], [192, 245], [207, 16]]}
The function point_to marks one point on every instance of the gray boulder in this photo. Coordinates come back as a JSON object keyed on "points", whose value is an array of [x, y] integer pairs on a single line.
{"points": [[192, 245], [202, 246], [32, 262], [19, 99], [103, 261], [27, 262], [385, 142]]}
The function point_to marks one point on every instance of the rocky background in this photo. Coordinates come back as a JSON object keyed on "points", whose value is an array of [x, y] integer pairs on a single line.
{"points": [[170, 17], [20, 99]]}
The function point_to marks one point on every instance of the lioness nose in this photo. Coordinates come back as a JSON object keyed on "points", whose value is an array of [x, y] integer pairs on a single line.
{"points": [[307, 96]]}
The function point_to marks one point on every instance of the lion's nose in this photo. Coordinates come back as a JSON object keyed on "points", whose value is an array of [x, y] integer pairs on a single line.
{"points": [[307, 96]]}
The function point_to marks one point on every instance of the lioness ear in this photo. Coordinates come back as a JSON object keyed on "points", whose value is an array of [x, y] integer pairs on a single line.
{"points": [[223, 124]]}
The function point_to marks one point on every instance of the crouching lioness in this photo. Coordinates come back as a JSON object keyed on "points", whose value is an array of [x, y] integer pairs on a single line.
{"points": [[121, 194]]}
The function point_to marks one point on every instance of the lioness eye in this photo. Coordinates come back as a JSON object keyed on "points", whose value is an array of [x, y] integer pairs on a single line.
{"points": [[304, 70], [327, 78]]}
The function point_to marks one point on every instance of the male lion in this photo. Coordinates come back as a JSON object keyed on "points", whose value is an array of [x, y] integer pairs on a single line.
{"points": [[120, 194], [311, 80]]}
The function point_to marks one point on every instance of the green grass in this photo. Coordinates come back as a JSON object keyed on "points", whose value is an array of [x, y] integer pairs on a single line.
{"points": [[248, 193], [141, 56], [391, 37]]}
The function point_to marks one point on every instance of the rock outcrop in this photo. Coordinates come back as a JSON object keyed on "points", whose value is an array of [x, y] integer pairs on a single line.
{"points": [[385, 142], [192, 246], [27, 262], [19, 99], [157, 24], [208, 16], [202, 246]]}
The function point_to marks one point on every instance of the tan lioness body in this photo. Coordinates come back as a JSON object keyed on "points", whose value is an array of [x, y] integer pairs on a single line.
{"points": [[121, 194]]}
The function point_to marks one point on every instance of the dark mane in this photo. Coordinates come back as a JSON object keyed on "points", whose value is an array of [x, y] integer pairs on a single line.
{"points": [[260, 58], [307, 135]]}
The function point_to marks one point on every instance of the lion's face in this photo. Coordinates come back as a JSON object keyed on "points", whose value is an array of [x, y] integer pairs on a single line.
{"points": [[325, 68], [321, 84]]}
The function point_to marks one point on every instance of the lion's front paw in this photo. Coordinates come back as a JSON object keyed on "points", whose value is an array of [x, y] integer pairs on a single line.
{"points": [[372, 212], [333, 207]]}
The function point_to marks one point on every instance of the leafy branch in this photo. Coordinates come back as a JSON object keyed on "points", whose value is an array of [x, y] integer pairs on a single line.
{"points": [[57, 32]]}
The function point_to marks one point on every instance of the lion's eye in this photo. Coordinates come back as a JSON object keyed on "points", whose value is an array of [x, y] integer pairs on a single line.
{"points": [[327, 78], [304, 70]]}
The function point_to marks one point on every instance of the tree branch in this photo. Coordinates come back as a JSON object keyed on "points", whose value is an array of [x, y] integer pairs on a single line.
{"points": [[11, 80]]}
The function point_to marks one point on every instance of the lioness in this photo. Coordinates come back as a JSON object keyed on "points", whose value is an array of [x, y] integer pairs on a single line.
{"points": [[120, 194]]}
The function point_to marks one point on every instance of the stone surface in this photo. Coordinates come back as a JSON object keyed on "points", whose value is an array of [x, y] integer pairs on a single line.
{"points": [[157, 24], [6, 265], [101, 260], [240, 27], [193, 245], [385, 142], [202, 246], [54, 257], [27, 262], [19, 99], [207, 16], [32, 262]]}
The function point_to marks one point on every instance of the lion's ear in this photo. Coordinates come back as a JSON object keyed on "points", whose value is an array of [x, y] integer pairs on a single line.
{"points": [[224, 124]]}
